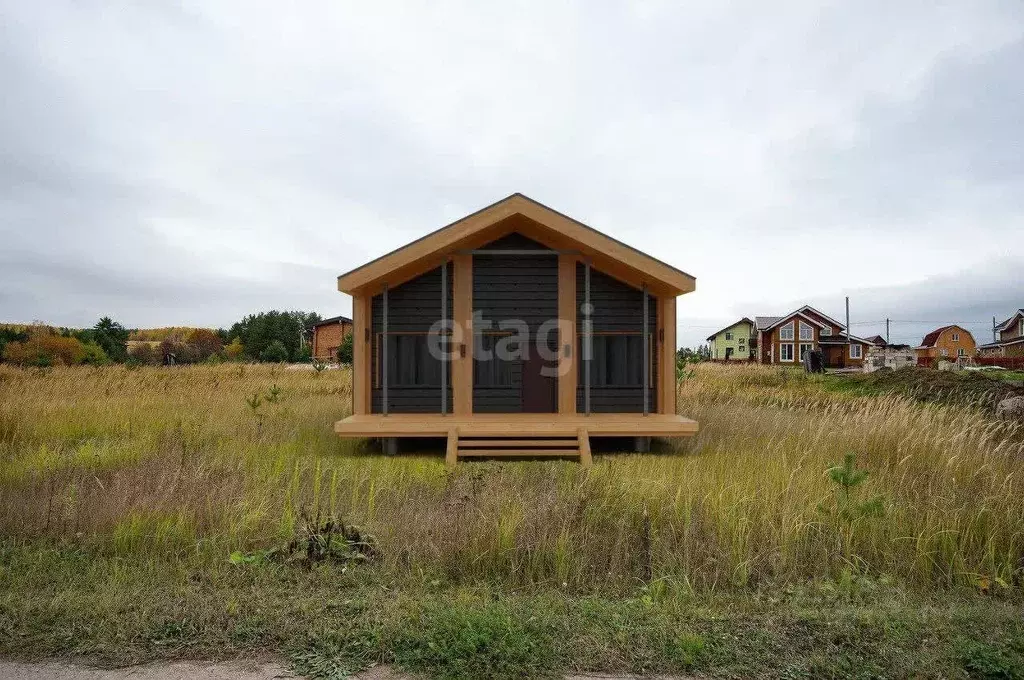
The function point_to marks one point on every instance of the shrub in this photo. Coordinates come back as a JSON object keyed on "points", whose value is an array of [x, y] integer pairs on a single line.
{"points": [[345, 350], [234, 350], [275, 352]]}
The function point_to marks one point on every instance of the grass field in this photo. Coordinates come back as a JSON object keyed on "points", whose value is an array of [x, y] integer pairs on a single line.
{"points": [[164, 512]]}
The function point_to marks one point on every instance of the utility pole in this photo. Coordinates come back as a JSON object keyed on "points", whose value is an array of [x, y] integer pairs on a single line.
{"points": [[887, 331], [847, 321], [994, 338]]}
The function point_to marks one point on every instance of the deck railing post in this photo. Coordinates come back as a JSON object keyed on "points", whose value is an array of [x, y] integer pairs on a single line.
{"points": [[647, 357], [384, 351], [444, 352], [588, 349]]}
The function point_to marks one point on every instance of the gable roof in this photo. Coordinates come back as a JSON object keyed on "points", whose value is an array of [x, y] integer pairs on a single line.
{"points": [[765, 323], [332, 320], [537, 221], [1009, 322], [933, 337], [877, 340], [792, 315], [743, 320], [808, 308]]}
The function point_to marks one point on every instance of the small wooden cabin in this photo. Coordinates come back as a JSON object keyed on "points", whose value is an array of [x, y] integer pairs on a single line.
{"points": [[515, 331]]}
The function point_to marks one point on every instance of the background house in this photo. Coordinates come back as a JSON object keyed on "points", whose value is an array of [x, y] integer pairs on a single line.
{"points": [[784, 339], [949, 342], [1011, 339], [733, 342], [328, 335]]}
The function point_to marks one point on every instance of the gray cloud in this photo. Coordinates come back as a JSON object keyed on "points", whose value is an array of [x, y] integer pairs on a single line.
{"points": [[189, 164]]}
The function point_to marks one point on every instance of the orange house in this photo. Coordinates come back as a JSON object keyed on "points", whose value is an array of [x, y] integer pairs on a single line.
{"points": [[948, 342], [328, 335]]}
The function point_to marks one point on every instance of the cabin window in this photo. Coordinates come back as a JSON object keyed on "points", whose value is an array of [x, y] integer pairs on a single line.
{"points": [[805, 347], [786, 350], [956, 337], [855, 351], [806, 332], [945, 352], [960, 352], [410, 363], [492, 371], [786, 333], [825, 330], [728, 336], [618, 359]]}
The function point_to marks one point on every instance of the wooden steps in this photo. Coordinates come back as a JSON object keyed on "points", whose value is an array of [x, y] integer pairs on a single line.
{"points": [[493, 446]]}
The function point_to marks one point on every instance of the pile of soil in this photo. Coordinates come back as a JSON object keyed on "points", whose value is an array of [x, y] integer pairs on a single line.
{"points": [[969, 388]]}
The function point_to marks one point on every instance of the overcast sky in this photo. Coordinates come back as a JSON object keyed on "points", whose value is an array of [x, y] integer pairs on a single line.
{"points": [[186, 164]]}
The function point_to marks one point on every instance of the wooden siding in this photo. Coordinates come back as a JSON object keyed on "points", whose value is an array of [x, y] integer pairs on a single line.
{"points": [[512, 287], [617, 308], [945, 342], [413, 307]]}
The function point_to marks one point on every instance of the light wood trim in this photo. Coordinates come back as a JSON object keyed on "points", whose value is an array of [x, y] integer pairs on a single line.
{"points": [[567, 334], [360, 355], [451, 456], [667, 392], [462, 315], [517, 443], [518, 425], [463, 453], [431, 248], [583, 441]]}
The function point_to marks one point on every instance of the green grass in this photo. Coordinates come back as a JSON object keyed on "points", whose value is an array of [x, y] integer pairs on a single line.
{"points": [[329, 621], [124, 495]]}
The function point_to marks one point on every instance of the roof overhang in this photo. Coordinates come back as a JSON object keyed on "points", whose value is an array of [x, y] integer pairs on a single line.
{"points": [[534, 220], [1009, 322], [793, 315]]}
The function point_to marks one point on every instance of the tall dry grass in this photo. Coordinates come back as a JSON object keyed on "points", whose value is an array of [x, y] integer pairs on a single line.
{"points": [[171, 463]]}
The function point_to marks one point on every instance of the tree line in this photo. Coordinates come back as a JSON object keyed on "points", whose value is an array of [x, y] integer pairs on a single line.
{"points": [[274, 336]]}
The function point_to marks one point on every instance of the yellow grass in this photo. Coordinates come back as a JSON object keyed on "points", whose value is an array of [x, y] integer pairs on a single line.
{"points": [[172, 463]]}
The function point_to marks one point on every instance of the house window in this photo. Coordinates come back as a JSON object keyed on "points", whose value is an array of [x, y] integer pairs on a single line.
{"points": [[786, 350], [617, 361], [410, 363], [960, 352], [492, 371], [956, 337], [855, 351], [728, 336], [805, 347], [806, 332], [825, 330], [945, 352], [786, 333]]}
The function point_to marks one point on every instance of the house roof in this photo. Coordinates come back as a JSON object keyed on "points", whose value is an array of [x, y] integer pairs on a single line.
{"points": [[736, 323], [534, 220], [877, 340], [840, 339], [933, 337], [1004, 343], [332, 320], [765, 322], [773, 321], [1009, 322]]}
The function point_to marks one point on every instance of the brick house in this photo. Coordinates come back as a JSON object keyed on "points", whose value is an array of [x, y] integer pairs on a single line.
{"points": [[1011, 338], [783, 340], [327, 337], [949, 342]]}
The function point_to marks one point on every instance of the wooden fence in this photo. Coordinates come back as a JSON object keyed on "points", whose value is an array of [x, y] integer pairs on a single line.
{"points": [[1015, 363]]}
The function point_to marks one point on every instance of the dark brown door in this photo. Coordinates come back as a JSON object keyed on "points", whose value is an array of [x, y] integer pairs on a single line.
{"points": [[538, 389]]}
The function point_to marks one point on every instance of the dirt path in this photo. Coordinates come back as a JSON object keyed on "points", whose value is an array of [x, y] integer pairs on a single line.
{"points": [[194, 670]]}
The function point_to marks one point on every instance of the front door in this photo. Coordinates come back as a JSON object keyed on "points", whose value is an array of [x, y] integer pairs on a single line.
{"points": [[539, 384]]}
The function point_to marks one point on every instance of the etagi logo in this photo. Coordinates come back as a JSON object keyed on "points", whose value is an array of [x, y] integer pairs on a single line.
{"points": [[514, 341]]}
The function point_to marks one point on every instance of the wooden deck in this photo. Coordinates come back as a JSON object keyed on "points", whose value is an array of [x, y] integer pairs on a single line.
{"points": [[516, 424]]}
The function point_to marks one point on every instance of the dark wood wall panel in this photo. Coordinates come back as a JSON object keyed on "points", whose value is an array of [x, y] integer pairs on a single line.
{"points": [[513, 287], [413, 307], [618, 308]]}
